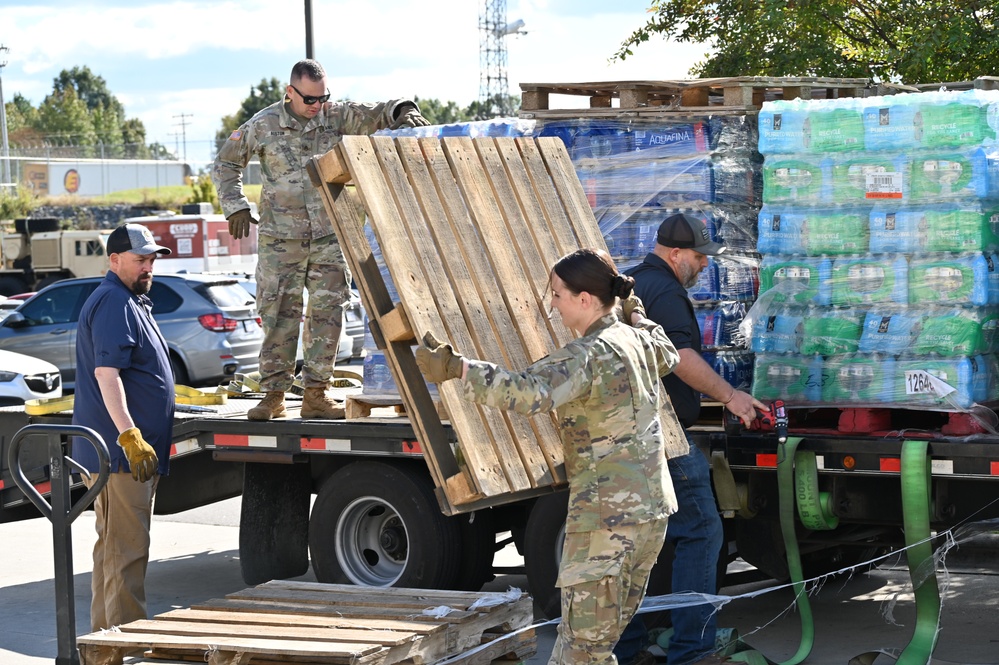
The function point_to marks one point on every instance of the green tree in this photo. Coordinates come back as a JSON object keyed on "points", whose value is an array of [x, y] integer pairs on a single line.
{"points": [[64, 120], [263, 95], [439, 113], [497, 107], [133, 135], [90, 88], [915, 41], [160, 151], [108, 130]]}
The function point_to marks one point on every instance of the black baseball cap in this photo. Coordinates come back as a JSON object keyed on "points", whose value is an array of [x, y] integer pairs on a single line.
{"points": [[134, 238], [687, 232]]}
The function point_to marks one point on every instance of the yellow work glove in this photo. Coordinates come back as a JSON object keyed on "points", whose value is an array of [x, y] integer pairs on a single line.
{"points": [[239, 223], [437, 361], [140, 455], [632, 305]]}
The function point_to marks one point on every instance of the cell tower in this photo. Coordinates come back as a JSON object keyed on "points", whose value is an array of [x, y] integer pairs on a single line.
{"points": [[492, 58]]}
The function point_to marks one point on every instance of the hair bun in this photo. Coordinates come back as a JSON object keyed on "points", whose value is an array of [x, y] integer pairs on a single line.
{"points": [[622, 285]]}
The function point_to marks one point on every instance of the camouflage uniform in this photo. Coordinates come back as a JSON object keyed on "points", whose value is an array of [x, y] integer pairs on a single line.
{"points": [[615, 422], [297, 247]]}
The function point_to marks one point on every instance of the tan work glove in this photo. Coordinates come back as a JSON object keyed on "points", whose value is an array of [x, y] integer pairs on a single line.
{"points": [[409, 116], [632, 305], [140, 455], [437, 361], [239, 223]]}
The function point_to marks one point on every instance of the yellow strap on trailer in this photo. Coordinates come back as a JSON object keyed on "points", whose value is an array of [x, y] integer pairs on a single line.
{"points": [[182, 395]]}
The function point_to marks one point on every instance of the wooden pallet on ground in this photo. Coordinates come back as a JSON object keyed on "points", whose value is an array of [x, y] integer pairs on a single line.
{"points": [[469, 229], [327, 624], [739, 94]]}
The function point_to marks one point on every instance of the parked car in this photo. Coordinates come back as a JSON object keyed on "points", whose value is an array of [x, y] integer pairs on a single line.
{"points": [[24, 377], [351, 334], [9, 303], [210, 328]]}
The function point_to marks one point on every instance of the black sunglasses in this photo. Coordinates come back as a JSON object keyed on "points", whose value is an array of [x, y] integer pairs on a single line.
{"points": [[309, 100]]}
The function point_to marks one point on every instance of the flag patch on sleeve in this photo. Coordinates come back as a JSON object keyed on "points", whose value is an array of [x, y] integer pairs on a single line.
{"points": [[236, 135]]}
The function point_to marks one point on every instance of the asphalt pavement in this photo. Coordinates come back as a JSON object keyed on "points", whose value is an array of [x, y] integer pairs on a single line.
{"points": [[194, 557]]}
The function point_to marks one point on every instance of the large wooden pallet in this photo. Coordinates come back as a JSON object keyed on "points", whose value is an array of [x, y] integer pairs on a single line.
{"points": [[738, 94], [469, 230], [326, 624]]}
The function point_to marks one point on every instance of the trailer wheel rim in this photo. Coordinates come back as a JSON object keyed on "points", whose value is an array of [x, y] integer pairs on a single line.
{"points": [[372, 544]]}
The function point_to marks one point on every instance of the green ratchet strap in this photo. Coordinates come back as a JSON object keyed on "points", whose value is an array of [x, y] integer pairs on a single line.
{"points": [[922, 567], [785, 484], [814, 507]]}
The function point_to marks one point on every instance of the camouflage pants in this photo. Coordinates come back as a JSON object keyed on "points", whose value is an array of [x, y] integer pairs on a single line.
{"points": [[284, 269], [603, 578]]}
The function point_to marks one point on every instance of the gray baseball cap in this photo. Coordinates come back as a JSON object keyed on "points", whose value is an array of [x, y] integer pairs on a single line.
{"points": [[688, 232], [134, 238]]}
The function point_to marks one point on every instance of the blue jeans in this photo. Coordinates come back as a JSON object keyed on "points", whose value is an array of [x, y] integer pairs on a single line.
{"points": [[695, 532]]}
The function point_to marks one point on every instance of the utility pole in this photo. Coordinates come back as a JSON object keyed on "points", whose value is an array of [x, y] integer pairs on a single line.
{"points": [[176, 142], [5, 154], [308, 29], [183, 129]]}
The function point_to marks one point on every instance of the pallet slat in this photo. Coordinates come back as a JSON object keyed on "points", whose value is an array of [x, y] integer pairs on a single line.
{"points": [[325, 625], [468, 230], [745, 93]]}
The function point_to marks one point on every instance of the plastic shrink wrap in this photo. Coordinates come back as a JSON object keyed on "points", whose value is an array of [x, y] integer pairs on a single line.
{"points": [[638, 171], [879, 283]]}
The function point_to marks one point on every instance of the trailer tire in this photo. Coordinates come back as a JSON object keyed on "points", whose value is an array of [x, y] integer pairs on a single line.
{"points": [[478, 548], [543, 553], [377, 524], [543, 540], [274, 522]]}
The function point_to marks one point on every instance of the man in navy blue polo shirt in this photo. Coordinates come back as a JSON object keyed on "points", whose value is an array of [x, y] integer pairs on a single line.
{"points": [[124, 392]]}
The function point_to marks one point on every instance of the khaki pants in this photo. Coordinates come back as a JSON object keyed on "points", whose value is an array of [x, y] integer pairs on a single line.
{"points": [[123, 513], [603, 578]]}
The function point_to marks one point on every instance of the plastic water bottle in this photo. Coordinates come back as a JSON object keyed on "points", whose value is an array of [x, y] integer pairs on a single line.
{"points": [[662, 139], [869, 177], [892, 124], [836, 130], [955, 331], [782, 128], [796, 178], [858, 379], [376, 375], [890, 330], [794, 379], [706, 287], [681, 180], [779, 230], [940, 176], [897, 229], [867, 280], [829, 331], [955, 124], [799, 281], [952, 280]]}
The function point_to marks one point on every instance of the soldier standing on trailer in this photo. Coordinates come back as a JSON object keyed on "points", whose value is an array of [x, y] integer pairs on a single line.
{"points": [[297, 247]]}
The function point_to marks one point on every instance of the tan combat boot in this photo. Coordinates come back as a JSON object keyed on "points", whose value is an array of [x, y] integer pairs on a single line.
{"points": [[271, 406], [317, 404]]}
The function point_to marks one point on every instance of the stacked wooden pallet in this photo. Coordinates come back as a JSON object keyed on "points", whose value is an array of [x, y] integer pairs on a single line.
{"points": [[469, 230], [325, 624], [717, 95]]}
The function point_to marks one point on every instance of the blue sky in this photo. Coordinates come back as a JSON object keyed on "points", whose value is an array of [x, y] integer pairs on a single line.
{"points": [[168, 58]]}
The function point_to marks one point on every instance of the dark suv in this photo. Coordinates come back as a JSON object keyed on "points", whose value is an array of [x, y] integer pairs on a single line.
{"points": [[209, 323]]}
